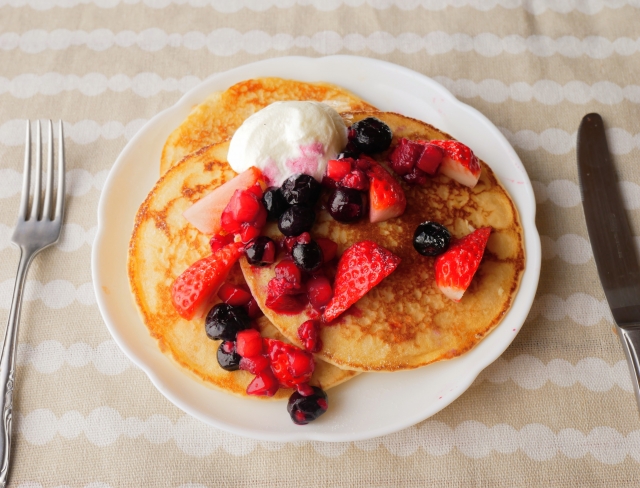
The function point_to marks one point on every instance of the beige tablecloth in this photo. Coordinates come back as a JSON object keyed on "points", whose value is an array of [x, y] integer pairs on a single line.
{"points": [[556, 409]]}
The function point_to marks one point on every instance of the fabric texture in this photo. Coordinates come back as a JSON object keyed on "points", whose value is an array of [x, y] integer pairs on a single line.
{"points": [[556, 409]]}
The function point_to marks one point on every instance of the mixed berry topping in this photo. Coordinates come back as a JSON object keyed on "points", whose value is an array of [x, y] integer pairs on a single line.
{"points": [[304, 409], [356, 184], [431, 239], [370, 135]]}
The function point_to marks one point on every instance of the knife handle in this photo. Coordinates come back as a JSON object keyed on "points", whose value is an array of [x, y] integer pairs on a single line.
{"points": [[630, 338]]}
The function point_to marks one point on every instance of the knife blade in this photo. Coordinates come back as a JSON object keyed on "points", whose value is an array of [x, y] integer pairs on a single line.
{"points": [[611, 239]]}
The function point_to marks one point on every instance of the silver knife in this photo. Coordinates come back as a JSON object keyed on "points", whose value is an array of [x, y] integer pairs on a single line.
{"points": [[611, 240]]}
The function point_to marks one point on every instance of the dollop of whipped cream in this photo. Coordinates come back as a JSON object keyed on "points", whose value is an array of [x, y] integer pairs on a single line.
{"points": [[287, 138]]}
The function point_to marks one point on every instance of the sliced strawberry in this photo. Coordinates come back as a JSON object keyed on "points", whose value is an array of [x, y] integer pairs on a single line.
{"points": [[233, 295], [194, 291], [264, 384], [338, 168], [361, 267], [459, 163], [386, 197], [249, 343], [456, 267], [290, 364], [205, 214]]}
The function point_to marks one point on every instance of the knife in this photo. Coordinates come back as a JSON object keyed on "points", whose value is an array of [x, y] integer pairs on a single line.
{"points": [[611, 239]]}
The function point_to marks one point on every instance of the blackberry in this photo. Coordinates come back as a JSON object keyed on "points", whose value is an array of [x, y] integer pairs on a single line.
{"points": [[228, 358], [431, 239], [301, 190], [370, 135], [224, 322], [304, 409], [308, 257], [296, 220]]}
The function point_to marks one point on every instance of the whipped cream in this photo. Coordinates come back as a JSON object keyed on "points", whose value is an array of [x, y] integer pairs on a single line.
{"points": [[287, 138]]}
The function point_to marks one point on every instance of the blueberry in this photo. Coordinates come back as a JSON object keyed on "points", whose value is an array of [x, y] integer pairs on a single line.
{"points": [[304, 409], [345, 204], [431, 239], [261, 251], [296, 220], [224, 322], [308, 257], [370, 135], [301, 190], [274, 203], [228, 358]]}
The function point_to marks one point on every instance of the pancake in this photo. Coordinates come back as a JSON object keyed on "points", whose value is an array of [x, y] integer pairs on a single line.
{"points": [[406, 322], [162, 246], [218, 117]]}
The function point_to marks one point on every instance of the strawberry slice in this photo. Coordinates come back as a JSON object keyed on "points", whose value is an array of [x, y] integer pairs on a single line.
{"points": [[386, 197], [194, 291], [205, 214], [361, 267], [456, 267], [459, 163]]}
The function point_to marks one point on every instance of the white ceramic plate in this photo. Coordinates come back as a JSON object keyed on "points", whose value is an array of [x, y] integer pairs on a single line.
{"points": [[371, 404]]}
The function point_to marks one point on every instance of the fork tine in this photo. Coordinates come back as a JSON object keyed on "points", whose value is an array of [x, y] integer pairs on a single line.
{"points": [[26, 180], [37, 186], [61, 175], [48, 195]]}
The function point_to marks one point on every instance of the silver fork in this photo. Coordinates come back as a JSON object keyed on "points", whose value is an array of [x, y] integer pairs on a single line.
{"points": [[38, 227]]}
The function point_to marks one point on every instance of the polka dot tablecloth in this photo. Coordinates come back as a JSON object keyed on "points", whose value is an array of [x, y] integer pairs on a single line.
{"points": [[556, 409]]}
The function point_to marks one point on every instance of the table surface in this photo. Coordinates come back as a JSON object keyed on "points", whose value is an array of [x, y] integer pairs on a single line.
{"points": [[557, 409]]}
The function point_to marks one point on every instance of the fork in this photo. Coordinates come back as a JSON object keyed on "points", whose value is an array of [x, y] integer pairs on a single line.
{"points": [[37, 227]]}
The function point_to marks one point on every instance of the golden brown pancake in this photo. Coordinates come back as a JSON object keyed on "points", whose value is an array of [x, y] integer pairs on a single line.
{"points": [[162, 246], [218, 117], [406, 322]]}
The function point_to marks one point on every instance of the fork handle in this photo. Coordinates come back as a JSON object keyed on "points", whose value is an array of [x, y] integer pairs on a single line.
{"points": [[8, 366]]}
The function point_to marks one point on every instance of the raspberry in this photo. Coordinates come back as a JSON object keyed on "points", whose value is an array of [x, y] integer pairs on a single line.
{"points": [[356, 180], [287, 270], [290, 364], [319, 291], [308, 334], [219, 241]]}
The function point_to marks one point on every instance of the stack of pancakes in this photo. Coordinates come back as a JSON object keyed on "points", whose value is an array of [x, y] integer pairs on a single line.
{"points": [[403, 323]]}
